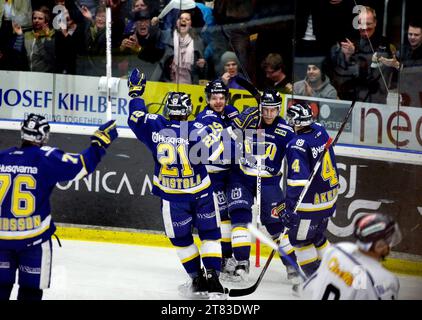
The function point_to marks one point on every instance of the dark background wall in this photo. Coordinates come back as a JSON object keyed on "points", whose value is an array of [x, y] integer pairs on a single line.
{"points": [[118, 194]]}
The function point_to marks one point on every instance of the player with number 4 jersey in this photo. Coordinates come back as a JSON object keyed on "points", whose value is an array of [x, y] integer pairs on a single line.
{"points": [[307, 226]]}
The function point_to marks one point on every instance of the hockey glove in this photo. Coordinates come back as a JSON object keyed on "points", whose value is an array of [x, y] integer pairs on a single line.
{"points": [[248, 119], [105, 134], [289, 219], [136, 83]]}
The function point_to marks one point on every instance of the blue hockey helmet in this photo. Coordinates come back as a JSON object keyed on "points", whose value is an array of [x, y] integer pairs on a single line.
{"points": [[215, 87], [300, 114], [35, 128], [178, 104], [270, 98]]}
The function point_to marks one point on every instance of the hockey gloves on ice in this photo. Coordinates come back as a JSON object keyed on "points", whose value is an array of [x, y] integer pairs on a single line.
{"points": [[136, 83], [248, 119], [289, 219], [105, 134]]}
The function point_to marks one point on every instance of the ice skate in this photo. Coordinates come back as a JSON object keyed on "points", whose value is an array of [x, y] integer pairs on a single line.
{"points": [[293, 275], [215, 290], [242, 270], [228, 270], [195, 288]]}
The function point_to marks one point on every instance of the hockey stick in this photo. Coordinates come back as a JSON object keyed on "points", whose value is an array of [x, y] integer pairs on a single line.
{"points": [[108, 57], [258, 208], [271, 243], [249, 87], [246, 291]]}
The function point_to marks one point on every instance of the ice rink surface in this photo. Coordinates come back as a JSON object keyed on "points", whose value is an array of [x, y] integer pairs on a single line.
{"points": [[104, 271]]}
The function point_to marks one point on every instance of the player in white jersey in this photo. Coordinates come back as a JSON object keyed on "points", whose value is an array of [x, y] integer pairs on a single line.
{"points": [[353, 271]]}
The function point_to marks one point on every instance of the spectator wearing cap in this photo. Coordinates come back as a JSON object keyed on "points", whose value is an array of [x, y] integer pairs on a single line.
{"points": [[316, 84], [142, 47], [230, 68], [146, 7], [275, 73]]}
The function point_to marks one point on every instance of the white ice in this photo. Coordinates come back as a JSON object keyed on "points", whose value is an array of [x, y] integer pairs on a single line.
{"points": [[85, 270]]}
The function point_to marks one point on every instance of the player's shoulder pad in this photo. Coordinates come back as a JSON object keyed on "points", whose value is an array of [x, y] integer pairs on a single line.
{"points": [[50, 150], [152, 116], [231, 111], [8, 150], [60, 155], [209, 114], [282, 124], [197, 125]]}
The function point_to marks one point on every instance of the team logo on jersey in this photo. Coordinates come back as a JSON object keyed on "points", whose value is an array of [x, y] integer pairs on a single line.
{"points": [[221, 197], [236, 193], [300, 142], [198, 125], [275, 212]]}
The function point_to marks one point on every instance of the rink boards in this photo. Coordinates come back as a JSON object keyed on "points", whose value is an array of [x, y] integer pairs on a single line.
{"points": [[116, 199]]}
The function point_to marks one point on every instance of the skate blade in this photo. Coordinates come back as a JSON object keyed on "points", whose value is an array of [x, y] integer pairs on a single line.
{"points": [[195, 296], [218, 296], [187, 293], [230, 277]]}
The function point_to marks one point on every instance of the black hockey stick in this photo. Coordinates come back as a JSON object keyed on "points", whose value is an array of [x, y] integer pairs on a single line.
{"points": [[330, 142], [246, 291], [249, 87]]}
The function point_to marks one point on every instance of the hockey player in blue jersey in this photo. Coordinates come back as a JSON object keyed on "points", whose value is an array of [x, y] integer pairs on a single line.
{"points": [[218, 115], [28, 175], [275, 134], [308, 225], [183, 185]]}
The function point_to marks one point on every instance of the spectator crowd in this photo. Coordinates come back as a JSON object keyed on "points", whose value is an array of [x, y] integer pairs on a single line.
{"points": [[345, 54]]}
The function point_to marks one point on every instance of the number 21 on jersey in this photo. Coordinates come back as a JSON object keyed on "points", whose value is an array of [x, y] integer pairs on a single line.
{"points": [[167, 156]]}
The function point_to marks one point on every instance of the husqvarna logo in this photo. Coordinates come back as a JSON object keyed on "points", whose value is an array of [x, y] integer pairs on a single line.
{"points": [[221, 197], [236, 193]]}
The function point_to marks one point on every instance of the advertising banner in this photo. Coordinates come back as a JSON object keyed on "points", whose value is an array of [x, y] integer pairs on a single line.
{"points": [[82, 99], [370, 124]]}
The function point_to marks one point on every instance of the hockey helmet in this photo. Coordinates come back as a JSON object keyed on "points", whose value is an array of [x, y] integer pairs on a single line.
{"points": [[376, 226], [270, 99], [215, 87], [300, 114], [178, 104], [35, 128]]}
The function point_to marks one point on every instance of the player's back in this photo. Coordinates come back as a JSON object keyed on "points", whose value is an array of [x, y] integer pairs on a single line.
{"points": [[179, 175], [303, 153], [26, 182], [347, 274]]}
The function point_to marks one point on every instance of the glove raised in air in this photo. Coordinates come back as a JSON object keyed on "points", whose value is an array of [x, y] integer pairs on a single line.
{"points": [[136, 83], [105, 134], [248, 119]]}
